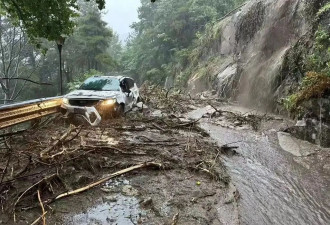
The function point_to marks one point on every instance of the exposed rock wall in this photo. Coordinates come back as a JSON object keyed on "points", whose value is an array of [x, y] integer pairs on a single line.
{"points": [[260, 53], [253, 44]]}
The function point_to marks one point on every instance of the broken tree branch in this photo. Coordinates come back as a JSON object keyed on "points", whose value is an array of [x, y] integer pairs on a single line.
{"points": [[25, 79], [57, 142], [79, 190], [42, 208], [38, 219], [175, 219], [108, 147], [40, 181], [185, 124]]}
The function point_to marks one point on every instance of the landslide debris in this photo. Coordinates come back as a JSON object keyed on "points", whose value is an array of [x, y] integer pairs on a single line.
{"points": [[59, 159]]}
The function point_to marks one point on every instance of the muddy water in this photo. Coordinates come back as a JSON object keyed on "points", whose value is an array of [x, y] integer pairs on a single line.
{"points": [[276, 187], [119, 206]]}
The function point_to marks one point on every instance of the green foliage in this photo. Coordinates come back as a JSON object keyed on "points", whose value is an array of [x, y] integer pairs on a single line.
{"points": [[319, 60], [168, 33], [81, 78], [89, 46], [313, 85], [324, 9], [43, 19], [290, 103], [155, 76], [316, 82]]}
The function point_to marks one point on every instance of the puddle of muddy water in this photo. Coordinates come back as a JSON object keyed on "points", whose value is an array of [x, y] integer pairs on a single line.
{"points": [[119, 206], [123, 211]]}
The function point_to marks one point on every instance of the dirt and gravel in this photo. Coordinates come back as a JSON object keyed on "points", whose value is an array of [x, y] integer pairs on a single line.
{"points": [[187, 182], [172, 160]]}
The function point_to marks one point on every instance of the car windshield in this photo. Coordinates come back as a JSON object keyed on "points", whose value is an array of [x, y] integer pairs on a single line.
{"points": [[100, 84]]}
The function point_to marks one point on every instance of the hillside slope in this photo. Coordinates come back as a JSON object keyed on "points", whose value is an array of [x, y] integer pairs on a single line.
{"points": [[259, 56], [245, 60]]}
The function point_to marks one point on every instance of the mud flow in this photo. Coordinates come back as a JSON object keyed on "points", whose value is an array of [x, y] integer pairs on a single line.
{"points": [[202, 161], [281, 179]]}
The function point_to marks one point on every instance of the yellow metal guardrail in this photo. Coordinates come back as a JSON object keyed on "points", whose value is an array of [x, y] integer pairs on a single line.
{"points": [[29, 110]]}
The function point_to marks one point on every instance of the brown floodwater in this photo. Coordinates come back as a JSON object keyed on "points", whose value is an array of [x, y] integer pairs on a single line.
{"points": [[275, 185]]}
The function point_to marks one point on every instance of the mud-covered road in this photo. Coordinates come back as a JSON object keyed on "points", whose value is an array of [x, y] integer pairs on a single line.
{"points": [[218, 164], [281, 180]]}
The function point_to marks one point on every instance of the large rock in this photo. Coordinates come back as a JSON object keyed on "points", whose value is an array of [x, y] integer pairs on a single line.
{"points": [[314, 126]]}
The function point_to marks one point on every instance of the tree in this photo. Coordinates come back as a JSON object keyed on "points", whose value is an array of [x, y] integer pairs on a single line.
{"points": [[87, 48], [17, 61], [43, 19], [165, 35]]}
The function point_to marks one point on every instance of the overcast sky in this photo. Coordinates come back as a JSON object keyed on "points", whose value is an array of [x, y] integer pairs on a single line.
{"points": [[120, 14]]}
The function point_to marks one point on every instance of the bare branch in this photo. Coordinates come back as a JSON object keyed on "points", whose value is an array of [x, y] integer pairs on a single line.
{"points": [[25, 79]]}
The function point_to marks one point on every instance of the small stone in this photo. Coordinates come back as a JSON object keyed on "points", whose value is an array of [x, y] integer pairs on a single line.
{"points": [[110, 220], [109, 199], [157, 113], [128, 190], [237, 123], [301, 123], [146, 202], [107, 189]]}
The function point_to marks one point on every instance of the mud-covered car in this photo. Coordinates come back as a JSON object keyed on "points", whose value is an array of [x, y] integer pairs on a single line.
{"points": [[101, 97]]}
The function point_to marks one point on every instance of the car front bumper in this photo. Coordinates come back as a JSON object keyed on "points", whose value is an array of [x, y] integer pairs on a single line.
{"points": [[91, 114]]}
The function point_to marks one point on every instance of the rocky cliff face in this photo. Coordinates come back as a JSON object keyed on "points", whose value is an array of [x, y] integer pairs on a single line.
{"points": [[250, 61], [252, 45]]}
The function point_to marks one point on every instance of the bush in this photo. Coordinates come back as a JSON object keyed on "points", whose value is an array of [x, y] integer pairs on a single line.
{"points": [[314, 85]]}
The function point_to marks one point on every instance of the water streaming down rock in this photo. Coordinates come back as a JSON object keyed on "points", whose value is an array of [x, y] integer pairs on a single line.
{"points": [[253, 49], [253, 43]]}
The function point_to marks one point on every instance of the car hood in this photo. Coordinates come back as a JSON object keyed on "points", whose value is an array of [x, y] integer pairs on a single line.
{"points": [[86, 94]]}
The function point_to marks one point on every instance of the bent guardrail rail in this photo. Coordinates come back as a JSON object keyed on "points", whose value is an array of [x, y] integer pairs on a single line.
{"points": [[14, 114]]}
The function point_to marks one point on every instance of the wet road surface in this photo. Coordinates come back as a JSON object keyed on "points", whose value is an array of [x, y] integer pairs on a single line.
{"points": [[275, 186]]}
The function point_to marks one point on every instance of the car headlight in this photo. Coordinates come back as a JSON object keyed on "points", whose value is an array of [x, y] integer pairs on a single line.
{"points": [[109, 102], [65, 101]]}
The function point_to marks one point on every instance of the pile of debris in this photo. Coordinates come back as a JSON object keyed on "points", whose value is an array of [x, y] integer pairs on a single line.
{"points": [[50, 162]]}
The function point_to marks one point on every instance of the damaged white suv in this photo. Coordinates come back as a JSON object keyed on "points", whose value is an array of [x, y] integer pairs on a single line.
{"points": [[101, 97]]}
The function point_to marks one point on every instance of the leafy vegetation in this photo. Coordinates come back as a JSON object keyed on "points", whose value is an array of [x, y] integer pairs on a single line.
{"points": [[92, 46], [167, 38], [314, 85], [316, 82], [319, 60], [324, 9], [43, 19]]}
